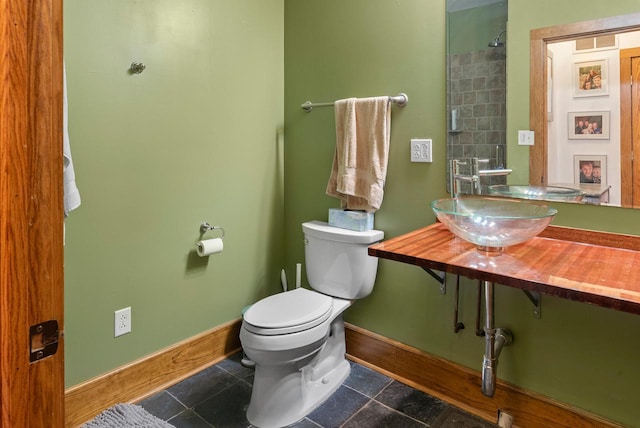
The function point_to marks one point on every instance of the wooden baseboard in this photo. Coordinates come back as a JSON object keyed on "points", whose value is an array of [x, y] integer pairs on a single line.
{"points": [[451, 382], [155, 372], [461, 386]]}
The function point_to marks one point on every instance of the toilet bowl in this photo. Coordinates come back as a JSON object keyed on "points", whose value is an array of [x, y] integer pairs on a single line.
{"points": [[296, 338], [298, 370]]}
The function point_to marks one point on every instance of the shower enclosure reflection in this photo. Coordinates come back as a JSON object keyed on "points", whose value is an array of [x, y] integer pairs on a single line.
{"points": [[476, 88]]}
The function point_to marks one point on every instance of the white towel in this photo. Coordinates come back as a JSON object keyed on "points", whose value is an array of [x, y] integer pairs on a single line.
{"points": [[71, 193], [359, 168]]}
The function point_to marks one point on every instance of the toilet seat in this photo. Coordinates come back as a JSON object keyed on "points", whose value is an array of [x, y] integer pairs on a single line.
{"points": [[289, 312]]}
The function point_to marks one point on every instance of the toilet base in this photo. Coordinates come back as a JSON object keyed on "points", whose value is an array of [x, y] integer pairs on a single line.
{"points": [[284, 394]]}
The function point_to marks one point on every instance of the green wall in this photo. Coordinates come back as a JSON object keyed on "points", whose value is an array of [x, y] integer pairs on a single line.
{"points": [[196, 137], [199, 136], [579, 354]]}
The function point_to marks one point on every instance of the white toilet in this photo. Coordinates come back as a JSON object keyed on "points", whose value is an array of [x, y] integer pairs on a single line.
{"points": [[296, 338]]}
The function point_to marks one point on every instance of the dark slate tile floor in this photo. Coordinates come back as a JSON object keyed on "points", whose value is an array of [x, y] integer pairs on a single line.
{"points": [[219, 395]]}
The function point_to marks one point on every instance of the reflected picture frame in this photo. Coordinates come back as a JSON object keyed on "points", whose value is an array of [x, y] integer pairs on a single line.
{"points": [[590, 169], [588, 125], [589, 78]]}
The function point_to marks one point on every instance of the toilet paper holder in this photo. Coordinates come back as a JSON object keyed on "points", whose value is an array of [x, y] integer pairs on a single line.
{"points": [[204, 227]]}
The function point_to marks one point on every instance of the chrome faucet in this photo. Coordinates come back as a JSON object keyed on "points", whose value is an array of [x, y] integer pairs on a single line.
{"points": [[455, 176]]}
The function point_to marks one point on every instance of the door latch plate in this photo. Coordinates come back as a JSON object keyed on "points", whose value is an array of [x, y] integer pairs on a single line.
{"points": [[43, 340]]}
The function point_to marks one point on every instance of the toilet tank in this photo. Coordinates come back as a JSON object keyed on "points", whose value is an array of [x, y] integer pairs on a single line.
{"points": [[336, 260]]}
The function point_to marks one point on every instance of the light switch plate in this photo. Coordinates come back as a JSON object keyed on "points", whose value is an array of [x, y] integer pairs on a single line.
{"points": [[525, 138]]}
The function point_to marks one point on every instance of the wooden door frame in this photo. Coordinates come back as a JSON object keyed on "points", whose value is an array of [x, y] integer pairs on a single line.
{"points": [[626, 131], [31, 210]]}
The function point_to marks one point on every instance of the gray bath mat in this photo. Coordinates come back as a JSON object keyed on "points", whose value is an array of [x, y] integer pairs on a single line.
{"points": [[126, 416]]}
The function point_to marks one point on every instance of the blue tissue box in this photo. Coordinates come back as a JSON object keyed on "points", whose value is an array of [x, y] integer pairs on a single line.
{"points": [[352, 220]]}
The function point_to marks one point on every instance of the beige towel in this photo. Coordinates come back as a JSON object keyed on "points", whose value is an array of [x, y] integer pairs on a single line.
{"points": [[362, 150]]}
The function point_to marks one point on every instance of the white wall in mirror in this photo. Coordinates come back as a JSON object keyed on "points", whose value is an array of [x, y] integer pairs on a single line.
{"points": [[569, 105]]}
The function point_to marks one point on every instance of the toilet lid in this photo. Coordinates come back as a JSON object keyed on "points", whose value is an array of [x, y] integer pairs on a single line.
{"points": [[290, 311]]}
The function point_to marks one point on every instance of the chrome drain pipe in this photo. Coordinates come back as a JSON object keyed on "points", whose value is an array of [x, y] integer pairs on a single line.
{"points": [[494, 340]]}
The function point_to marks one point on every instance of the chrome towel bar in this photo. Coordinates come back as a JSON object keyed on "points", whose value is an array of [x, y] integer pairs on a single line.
{"points": [[401, 99]]}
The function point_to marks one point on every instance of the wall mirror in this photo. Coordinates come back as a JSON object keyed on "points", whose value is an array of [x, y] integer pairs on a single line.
{"points": [[580, 75], [476, 86]]}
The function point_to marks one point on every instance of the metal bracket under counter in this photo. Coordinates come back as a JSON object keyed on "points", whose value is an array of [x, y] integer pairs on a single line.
{"points": [[534, 297], [439, 276]]}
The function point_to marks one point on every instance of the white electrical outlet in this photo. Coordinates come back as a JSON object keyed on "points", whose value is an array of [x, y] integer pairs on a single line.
{"points": [[421, 150], [122, 321]]}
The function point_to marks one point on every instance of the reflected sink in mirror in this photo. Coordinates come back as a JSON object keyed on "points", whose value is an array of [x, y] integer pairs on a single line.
{"points": [[493, 223], [549, 193]]}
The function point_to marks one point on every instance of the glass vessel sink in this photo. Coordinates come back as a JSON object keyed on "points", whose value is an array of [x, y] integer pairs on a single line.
{"points": [[549, 193], [493, 223]]}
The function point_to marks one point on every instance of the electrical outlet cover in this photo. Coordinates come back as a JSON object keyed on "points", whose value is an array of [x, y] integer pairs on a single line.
{"points": [[421, 150], [122, 321]]}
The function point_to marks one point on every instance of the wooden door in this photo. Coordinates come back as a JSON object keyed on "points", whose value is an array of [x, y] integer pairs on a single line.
{"points": [[31, 247], [630, 126]]}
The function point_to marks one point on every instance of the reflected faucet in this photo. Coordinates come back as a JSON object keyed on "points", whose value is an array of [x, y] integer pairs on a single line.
{"points": [[473, 177], [500, 159], [456, 177]]}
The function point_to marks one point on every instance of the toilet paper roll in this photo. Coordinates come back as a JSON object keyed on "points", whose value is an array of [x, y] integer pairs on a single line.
{"points": [[209, 246]]}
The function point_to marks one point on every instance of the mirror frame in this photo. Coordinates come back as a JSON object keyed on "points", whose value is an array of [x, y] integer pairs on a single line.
{"points": [[540, 38]]}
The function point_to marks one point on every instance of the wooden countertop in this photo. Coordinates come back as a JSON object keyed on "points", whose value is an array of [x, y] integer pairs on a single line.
{"points": [[552, 263]]}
